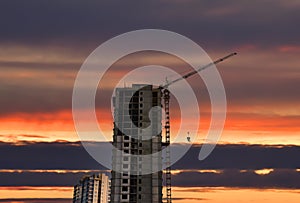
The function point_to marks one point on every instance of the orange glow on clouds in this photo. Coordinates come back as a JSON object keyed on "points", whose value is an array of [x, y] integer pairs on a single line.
{"points": [[179, 194], [229, 195], [264, 171], [289, 48], [249, 128], [264, 122], [36, 192]]}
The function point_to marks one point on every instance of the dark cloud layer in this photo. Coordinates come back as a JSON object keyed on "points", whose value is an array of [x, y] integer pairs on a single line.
{"points": [[279, 178], [46, 156], [214, 22], [65, 155], [33, 99], [243, 157], [235, 178], [236, 162], [40, 179]]}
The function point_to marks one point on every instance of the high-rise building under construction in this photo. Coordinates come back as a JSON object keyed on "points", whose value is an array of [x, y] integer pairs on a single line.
{"points": [[137, 141], [92, 189]]}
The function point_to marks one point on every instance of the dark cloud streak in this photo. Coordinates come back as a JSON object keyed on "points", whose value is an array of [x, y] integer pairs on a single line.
{"points": [[228, 22], [279, 178], [233, 178], [65, 155], [236, 162]]}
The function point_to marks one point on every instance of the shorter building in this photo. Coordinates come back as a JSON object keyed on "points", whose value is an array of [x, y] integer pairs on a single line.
{"points": [[92, 189]]}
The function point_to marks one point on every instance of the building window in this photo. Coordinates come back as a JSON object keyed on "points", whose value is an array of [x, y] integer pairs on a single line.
{"points": [[126, 158], [126, 144], [124, 196], [135, 99], [126, 125], [124, 188], [125, 181]]}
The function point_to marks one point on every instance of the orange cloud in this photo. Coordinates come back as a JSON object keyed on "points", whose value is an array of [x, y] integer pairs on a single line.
{"points": [[289, 48], [238, 126]]}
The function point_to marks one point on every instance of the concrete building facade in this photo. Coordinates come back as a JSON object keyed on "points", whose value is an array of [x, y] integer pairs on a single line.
{"points": [[92, 189], [136, 135]]}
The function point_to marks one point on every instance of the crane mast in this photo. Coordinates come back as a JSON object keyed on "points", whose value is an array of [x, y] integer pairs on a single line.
{"points": [[166, 98]]}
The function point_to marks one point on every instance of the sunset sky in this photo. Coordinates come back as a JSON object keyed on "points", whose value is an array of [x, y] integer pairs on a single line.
{"points": [[44, 43]]}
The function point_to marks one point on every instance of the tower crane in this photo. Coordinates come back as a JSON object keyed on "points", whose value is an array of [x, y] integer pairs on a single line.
{"points": [[166, 98]]}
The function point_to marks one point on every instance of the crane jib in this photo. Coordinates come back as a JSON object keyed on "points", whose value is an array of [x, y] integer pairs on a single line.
{"points": [[196, 71]]}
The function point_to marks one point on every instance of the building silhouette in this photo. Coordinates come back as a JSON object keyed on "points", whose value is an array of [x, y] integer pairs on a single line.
{"points": [[92, 189], [137, 141]]}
